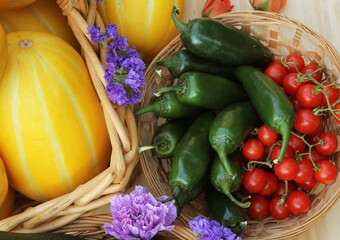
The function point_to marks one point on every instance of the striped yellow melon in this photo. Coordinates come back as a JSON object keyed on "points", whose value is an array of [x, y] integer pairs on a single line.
{"points": [[14, 4], [41, 16], [146, 23], [3, 182], [3, 49], [53, 135], [7, 206]]}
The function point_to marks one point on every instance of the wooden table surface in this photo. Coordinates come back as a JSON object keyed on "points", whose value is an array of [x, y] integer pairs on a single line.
{"points": [[323, 17]]}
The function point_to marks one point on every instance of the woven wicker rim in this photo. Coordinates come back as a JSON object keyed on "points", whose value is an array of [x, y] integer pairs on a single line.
{"points": [[323, 53], [122, 130]]}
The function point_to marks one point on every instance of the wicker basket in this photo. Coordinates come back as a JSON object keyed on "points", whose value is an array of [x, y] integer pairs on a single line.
{"points": [[77, 213], [283, 36]]}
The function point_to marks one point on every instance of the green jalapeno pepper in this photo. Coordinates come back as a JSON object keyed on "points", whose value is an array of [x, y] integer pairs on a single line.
{"points": [[224, 211], [230, 127], [206, 90], [220, 179], [183, 199], [270, 102], [183, 61], [167, 105], [192, 157], [167, 137], [212, 40]]}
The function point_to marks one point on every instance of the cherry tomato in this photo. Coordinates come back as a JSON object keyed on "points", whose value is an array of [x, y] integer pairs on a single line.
{"points": [[306, 121], [278, 212], [298, 202], [290, 85], [308, 185], [266, 135], [255, 180], [271, 185], [287, 169], [276, 151], [327, 173], [259, 207], [298, 60], [331, 143], [337, 107], [305, 171], [278, 62], [252, 149], [333, 94], [296, 143], [276, 72], [316, 156], [312, 68], [296, 104], [307, 98], [281, 188]]}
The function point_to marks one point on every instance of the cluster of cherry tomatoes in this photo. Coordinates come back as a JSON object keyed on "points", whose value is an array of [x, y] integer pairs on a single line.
{"points": [[283, 189]]}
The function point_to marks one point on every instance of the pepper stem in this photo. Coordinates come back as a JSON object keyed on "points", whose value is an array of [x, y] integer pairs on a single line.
{"points": [[155, 65], [159, 92], [181, 26], [145, 109], [237, 202], [176, 191], [144, 148], [285, 142]]}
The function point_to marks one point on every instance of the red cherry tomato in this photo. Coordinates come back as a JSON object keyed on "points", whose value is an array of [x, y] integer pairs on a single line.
{"points": [[277, 62], [259, 207], [298, 202], [298, 60], [276, 72], [281, 188], [312, 68], [290, 85], [306, 121], [276, 151], [333, 95], [252, 149], [331, 144], [266, 135], [316, 156], [308, 185], [255, 180], [327, 173], [271, 185], [305, 171], [296, 104], [337, 112], [307, 98], [296, 143], [278, 212], [287, 169]]}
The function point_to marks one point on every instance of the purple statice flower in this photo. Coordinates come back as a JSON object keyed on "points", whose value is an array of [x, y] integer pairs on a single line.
{"points": [[95, 33], [112, 30], [124, 70], [139, 215], [207, 229], [99, 0]]}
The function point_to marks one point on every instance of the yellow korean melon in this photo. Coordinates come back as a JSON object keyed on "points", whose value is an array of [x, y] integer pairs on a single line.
{"points": [[14, 4], [7, 206], [53, 135], [3, 183], [146, 23], [40, 16], [3, 49]]}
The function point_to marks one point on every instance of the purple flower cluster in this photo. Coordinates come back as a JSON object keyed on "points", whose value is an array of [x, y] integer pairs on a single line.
{"points": [[207, 229], [139, 215], [124, 70]]}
